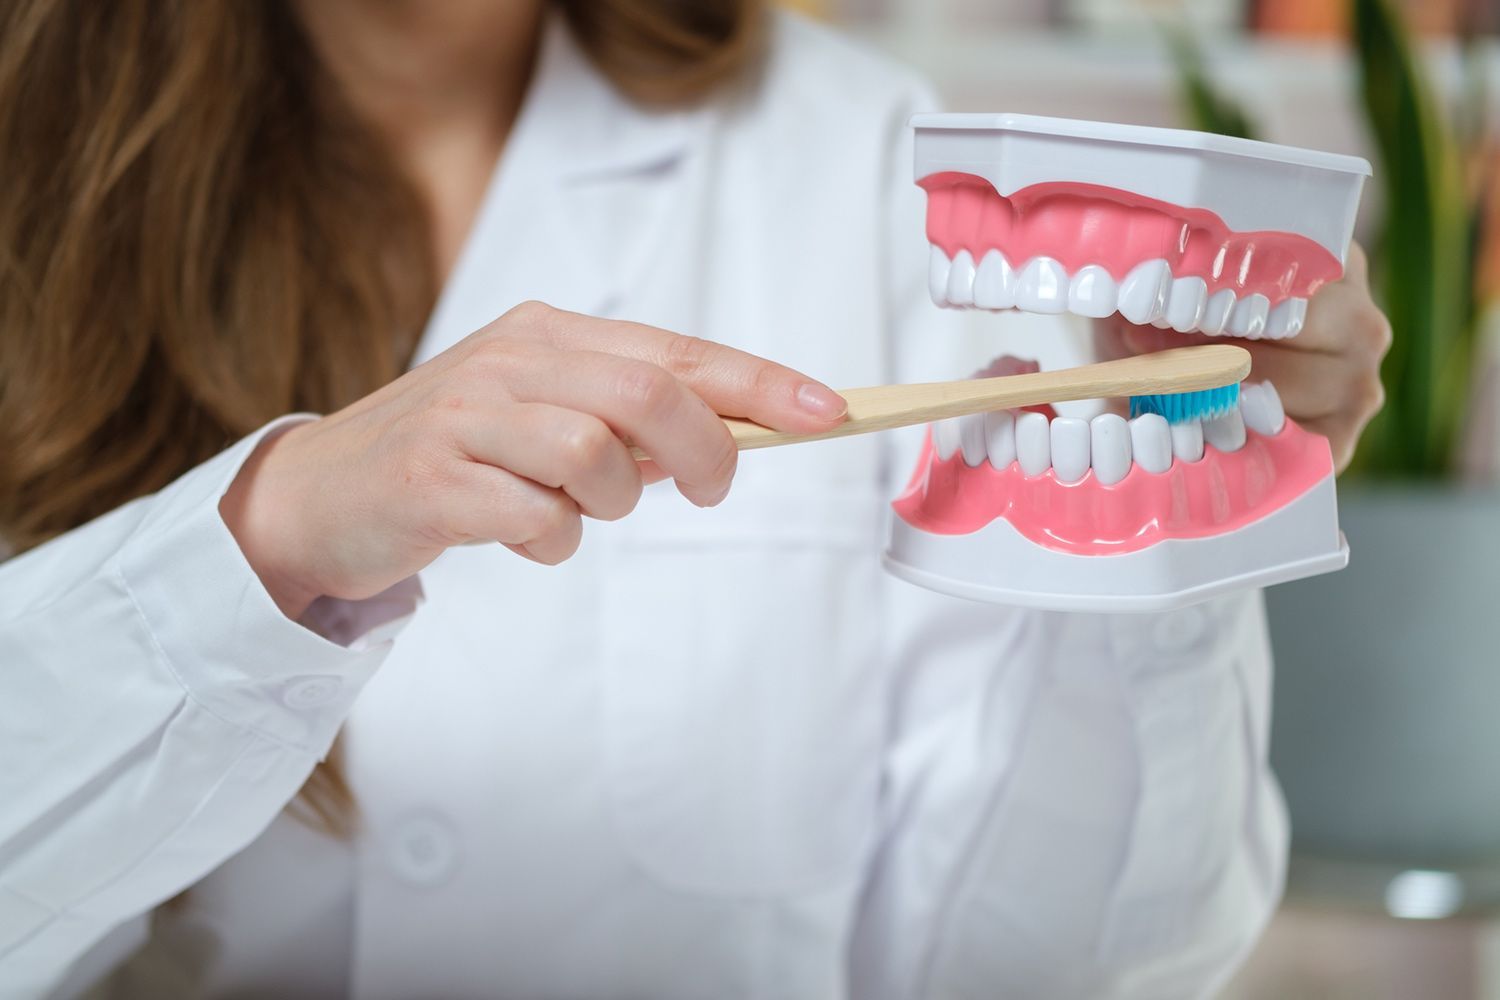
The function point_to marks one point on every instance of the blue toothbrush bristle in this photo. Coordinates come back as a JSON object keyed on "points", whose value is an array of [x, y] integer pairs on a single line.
{"points": [[1180, 408]]}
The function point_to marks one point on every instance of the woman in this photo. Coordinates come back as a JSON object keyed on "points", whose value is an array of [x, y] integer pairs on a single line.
{"points": [[713, 752]]}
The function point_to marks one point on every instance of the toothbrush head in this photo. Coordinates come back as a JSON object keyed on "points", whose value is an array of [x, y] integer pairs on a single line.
{"points": [[1184, 407]]}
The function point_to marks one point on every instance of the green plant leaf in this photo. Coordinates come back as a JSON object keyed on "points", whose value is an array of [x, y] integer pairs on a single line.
{"points": [[1206, 109], [1422, 271]]}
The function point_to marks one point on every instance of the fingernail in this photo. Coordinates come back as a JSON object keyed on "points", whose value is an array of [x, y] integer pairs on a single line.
{"points": [[821, 401]]}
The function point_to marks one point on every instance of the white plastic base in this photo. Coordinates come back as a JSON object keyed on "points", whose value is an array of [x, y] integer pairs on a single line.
{"points": [[1000, 565]]}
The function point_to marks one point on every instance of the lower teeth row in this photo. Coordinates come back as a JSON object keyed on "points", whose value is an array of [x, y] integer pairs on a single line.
{"points": [[1108, 444]]}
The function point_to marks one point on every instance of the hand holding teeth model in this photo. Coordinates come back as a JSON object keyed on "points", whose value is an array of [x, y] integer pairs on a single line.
{"points": [[1181, 230]]}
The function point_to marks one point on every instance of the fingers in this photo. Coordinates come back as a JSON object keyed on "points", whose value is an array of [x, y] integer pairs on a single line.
{"points": [[734, 383], [644, 404], [1311, 385], [650, 471], [1356, 265], [483, 502], [560, 448]]}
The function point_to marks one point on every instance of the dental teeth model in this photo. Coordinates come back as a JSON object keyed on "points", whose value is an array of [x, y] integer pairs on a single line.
{"points": [[1181, 230]]}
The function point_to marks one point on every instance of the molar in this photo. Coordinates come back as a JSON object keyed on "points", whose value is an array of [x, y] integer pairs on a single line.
{"points": [[938, 266], [1151, 442], [1286, 319], [994, 282], [1143, 293], [1093, 292], [1000, 437], [1187, 441], [1227, 432], [1070, 448], [1033, 443], [961, 280], [1249, 316], [1186, 303], [1261, 407], [1042, 286], [1109, 448]]}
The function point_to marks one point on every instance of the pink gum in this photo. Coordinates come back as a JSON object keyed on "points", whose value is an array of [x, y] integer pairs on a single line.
{"points": [[1081, 224], [1219, 493]]}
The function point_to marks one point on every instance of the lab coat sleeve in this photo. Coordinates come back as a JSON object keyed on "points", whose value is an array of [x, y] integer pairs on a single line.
{"points": [[156, 712], [1074, 805]]}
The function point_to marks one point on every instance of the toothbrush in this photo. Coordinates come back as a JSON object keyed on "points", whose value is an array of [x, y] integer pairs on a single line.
{"points": [[1197, 382]]}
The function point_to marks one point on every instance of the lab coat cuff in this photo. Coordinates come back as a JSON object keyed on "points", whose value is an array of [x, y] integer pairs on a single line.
{"points": [[222, 635]]}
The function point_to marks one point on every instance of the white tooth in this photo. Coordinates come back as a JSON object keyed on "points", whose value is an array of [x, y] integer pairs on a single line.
{"points": [[1226, 433], [1092, 292], [1000, 437], [1143, 293], [1161, 323], [1216, 312], [1254, 409], [961, 280], [1033, 443], [1286, 319], [937, 275], [1151, 442], [1186, 302], [1261, 408], [1249, 317], [1070, 448], [1187, 441], [1109, 448], [994, 282], [1273, 398], [1042, 287], [971, 439], [945, 437]]}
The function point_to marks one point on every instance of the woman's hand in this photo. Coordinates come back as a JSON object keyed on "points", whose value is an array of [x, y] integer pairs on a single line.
{"points": [[512, 435], [1328, 376]]}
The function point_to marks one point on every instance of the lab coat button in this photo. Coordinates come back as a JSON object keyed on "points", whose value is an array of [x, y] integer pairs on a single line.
{"points": [[1178, 631], [310, 692], [423, 850]]}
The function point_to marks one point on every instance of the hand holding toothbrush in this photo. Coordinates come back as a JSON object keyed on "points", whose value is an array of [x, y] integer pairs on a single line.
{"points": [[1328, 377]]}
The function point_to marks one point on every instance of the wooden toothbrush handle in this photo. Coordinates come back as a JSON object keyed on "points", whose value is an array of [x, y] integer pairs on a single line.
{"points": [[884, 407]]}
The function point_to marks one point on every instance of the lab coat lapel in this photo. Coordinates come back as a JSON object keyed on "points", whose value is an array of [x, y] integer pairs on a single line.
{"points": [[578, 203]]}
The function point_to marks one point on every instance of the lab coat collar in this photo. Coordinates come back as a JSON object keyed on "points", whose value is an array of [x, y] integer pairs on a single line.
{"points": [[576, 203], [595, 131]]}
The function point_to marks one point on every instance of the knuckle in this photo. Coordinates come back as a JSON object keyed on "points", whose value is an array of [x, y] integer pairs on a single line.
{"points": [[529, 320], [687, 355], [585, 445], [647, 390], [556, 516], [530, 313], [1384, 334]]}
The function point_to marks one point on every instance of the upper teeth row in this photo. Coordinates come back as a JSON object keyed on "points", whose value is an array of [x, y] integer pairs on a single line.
{"points": [[1108, 444], [1148, 294]]}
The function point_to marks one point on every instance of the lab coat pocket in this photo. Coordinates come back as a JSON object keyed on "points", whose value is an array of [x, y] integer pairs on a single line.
{"points": [[743, 687]]}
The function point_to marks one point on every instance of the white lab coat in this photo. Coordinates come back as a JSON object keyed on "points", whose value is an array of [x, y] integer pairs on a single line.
{"points": [[719, 753]]}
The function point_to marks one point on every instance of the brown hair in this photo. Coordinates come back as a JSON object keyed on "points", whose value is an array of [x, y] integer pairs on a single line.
{"points": [[197, 235]]}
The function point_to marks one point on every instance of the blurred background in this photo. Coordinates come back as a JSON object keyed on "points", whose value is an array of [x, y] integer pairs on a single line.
{"points": [[1387, 717]]}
